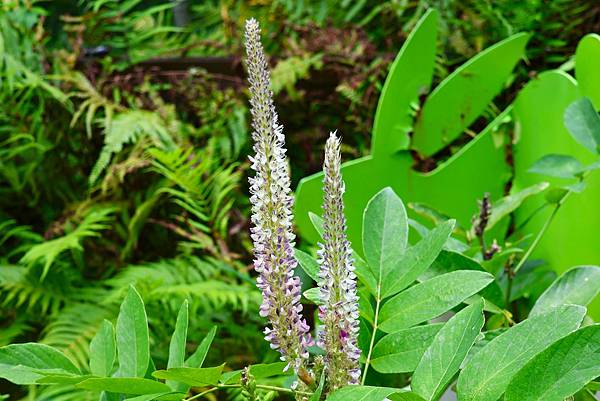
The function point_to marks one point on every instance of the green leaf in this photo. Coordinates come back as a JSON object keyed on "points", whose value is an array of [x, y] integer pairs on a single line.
{"points": [[431, 298], [61, 378], [583, 122], [313, 295], [561, 370], [447, 352], [448, 261], [409, 77], [197, 358], [308, 264], [177, 345], [553, 165], [158, 396], [191, 376], [385, 232], [578, 286], [132, 336], [259, 371], [463, 95], [510, 203], [361, 393], [587, 65], [124, 385], [103, 350], [488, 373], [317, 394], [416, 259], [24, 363], [401, 351]]}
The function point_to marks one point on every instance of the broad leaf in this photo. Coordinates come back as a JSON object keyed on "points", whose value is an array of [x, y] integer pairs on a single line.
{"points": [[401, 351], [416, 259], [124, 385], [61, 378], [583, 122], [464, 94], [489, 371], [133, 337], [191, 376], [431, 298], [177, 345], [385, 232], [578, 286], [308, 264], [313, 295], [103, 350], [197, 358], [561, 370], [25, 363], [562, 166], [447, 352]]}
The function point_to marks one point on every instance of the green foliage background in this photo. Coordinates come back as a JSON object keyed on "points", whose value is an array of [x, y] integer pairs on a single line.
{"points": [[123, 155]]}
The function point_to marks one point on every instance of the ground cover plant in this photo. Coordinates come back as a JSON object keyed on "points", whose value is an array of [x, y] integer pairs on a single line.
{"points": [[150, 269]]}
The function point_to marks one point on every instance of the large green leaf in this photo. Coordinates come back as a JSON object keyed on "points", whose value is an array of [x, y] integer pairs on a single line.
{"points": [[25, 363], [385, 232], [431, 298], [561, 370], [103, 350], [447, 352], [587, 65], [583, 123], [401, 351], [465, 94], [416, 259], [132, 336], [578, 286], [177, 345], [124, 385], [197, 358], [489, 371], [409, 77], [191, 376]]}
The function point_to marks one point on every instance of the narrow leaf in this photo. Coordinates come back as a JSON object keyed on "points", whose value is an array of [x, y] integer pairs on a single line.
{"points": [[307, 263], [197, 358], [103, 350], [124, 385], [431, 298], [447, 352], [132, 336], [192, 376], [177, 345]]}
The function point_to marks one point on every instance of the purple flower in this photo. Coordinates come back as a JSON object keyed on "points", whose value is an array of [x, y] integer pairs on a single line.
{"points": [[339, 311], [272, 217]]}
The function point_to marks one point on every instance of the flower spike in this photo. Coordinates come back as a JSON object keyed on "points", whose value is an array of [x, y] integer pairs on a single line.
{"points": [[272, 216]]}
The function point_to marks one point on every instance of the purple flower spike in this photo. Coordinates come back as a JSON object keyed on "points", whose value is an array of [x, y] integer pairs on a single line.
{"points": [[272, 217], [339, 312]]}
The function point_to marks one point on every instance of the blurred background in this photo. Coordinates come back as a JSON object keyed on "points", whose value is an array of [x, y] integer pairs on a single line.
{"points": [[124, 132]]}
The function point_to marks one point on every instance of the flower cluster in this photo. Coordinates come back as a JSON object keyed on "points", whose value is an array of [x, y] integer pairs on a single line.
{"points": [[339, 311], [272, 217]]}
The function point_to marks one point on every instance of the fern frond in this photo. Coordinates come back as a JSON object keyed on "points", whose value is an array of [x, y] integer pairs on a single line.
{"points": [[96, 220], [129, 127]]}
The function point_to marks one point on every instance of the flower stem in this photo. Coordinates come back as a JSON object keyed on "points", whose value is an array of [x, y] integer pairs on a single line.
{"points": [[375, 327]]}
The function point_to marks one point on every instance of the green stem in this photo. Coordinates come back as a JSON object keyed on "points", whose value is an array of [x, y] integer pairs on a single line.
{"points": [[375, 327], [260, 386]]}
